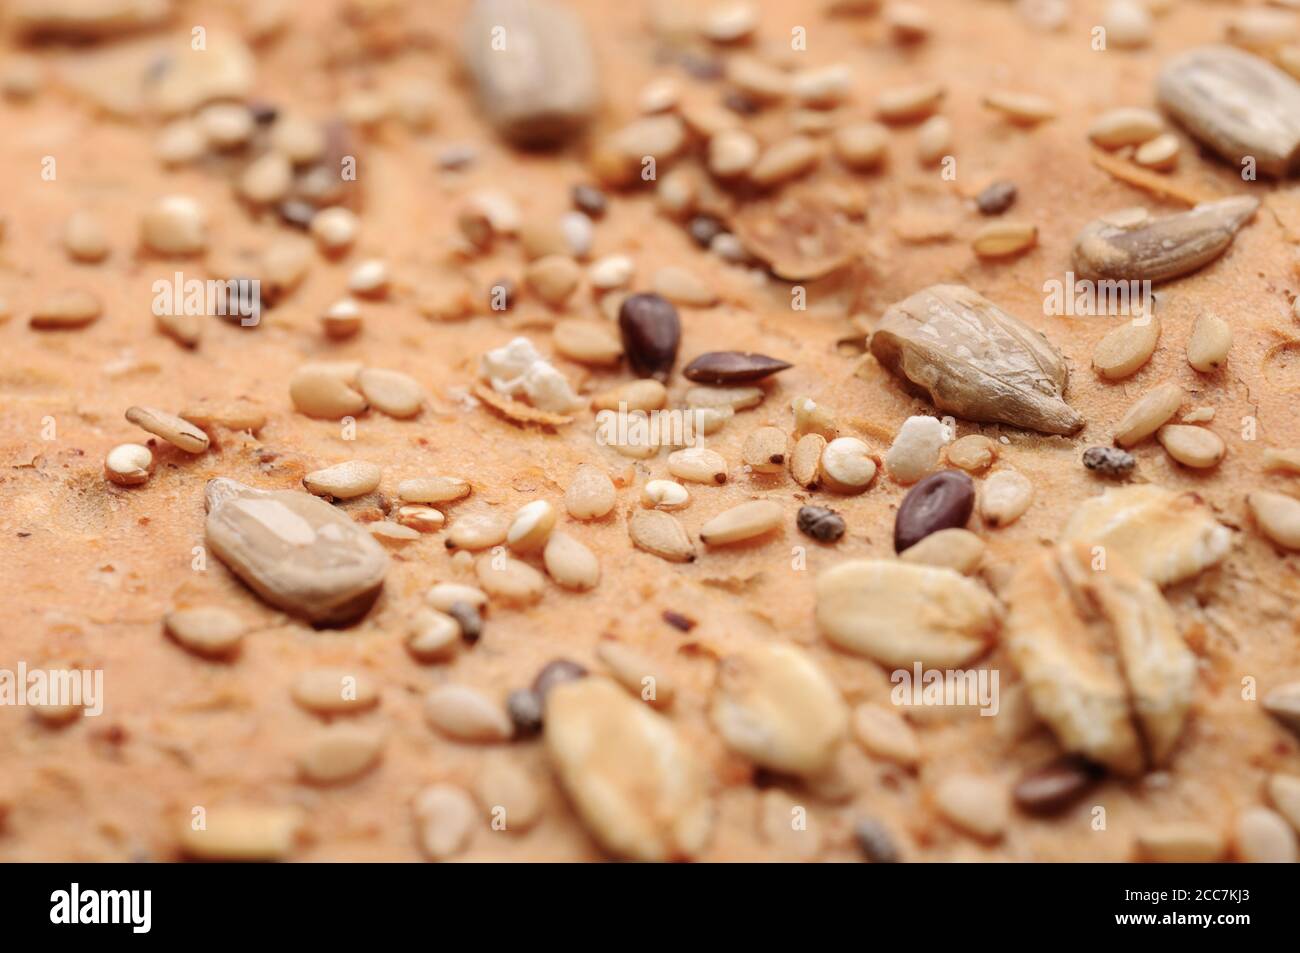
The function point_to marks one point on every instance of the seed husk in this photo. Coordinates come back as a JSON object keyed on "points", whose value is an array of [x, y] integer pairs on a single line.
{"points": [[295, 551], [1109, 461], [974, 360], [651, 332], [391, 392], [466, 714], [660, 534], [805, 462], [335, 691], [943, 500], [846, 465], [128, 464], [1278, 517], [1133, 245], [509, 580], [1148, 414], [732, 367], [741, 522], [765, 450], [344, 481], [1004, 239], [799, 233], [209, 631], [243, 834], [1055, 786], [591, 494], [1125, 349], [175, 430], [952, 548], [1237, 104], [445, 818], [1194, 447], [1210, 341], [340, 753], [66, 310], [570, 563]]}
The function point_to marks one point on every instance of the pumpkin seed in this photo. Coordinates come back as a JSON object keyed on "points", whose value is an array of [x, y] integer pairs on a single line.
{"points": [[175, 430], [1209, 343], [1193, 447], [741, 523], [344, 481], [975, 360], [660, 534], [1125, 349], [1148, 414], [1278, 517], [570, 563], [466, 714], [128, 464]]}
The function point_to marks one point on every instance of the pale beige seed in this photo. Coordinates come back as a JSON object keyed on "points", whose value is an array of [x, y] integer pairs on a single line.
{"points": [[553, 278], [436, 489], [340, 753], [508, 580], [531, 526], [861, 145], [1148, 414], [846, 465], [757, 79], [1284, 792], [1278, 517], [570, 563], [477, 531], [698, 465], [977, 805], [785, 160], [466, 714], [1283, 703], [910, 103], [1161, 153], [884, 733], [587, 342], [1125, 349], [184, 329], [180, 142], [1023, 109], [394, 533], [319, 391], [907, 22], [611, 272], [953, 548], [1262, 836], [660, 534], [227, 125], [684, 287], [1286, 460], [805, 462], [344, 481], [709, 420], [788, 829], [591, 494], [1186, 842], [1004, 497], [1209, 343], [445, 818], [175, 430], [266, 179], [421, 518], [66, 310], [56, 716], [641, 676], [736, 398], [1002, 239], [933, 140], [444, 595], [432, 635], [391, 392], [369, 278], [128, 464], [822, 87], [342, 319], [1194, 447], [510, 795], [241, 833], [334, 228], [1128, 24], [335, 691], [730, 22], [765, 450], [732, 152], [678, 193], [742, 522], [175, 226], [210, 631], [1126, 126], [238, 414], [646, 394], [84, 238], [973, 452], [664, 495], [1200, 415]]}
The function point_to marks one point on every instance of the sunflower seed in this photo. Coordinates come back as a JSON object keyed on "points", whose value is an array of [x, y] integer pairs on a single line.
{"points": [[509, 580], [445, 818], [206, 630], [1186, 842], [243, 834], [1278, 517], [651, 332], [1053, 787], [128, 464], [175, 430], [742, 522], [822, 524], [339, 753], [1207, 348], [465, 714], [975, 360], [886, 611], [943, 500], [846, 465], [1148, 414], [570, 563], [660, 534], [1133, 245], [1193, 447], [1109, 461], [1004, 497], [335, 691], [295, 551], [1237, 104], [1125, 349], [952, 548], [344, 481], [69, 309]]}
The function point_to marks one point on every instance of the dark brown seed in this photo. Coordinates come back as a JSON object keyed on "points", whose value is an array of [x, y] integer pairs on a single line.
{"points": [[822, 524], [467, 616], [525, 709], [1056, 785], [263, 112], [297, 213], [678, 621], [705, 228], [651, 332], [741, 103], [996, 199], [1109, 461], [942, 500], [875, 842], [589, 199], [732, 367], [554, 673]]}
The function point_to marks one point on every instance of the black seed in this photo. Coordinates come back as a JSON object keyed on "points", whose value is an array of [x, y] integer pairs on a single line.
{"points": [[589, 199], [296, 212], [704, 228], [678, 621], [741, 103], [822, 524], [942, 500], [1109, 461], [554, 673], [997, 198], [525, 710], [875, 841], [1053, 787], [467, 615], [263, 112], [732, 367], [651, 332]]}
